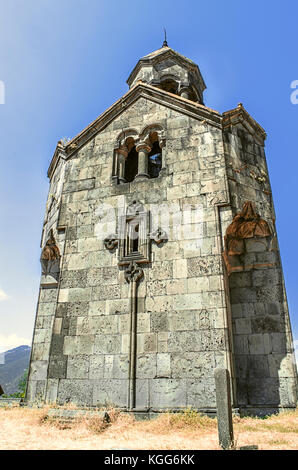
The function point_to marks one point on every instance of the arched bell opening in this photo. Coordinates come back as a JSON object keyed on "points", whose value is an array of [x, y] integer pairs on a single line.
{"points": [[169, 85], [131, 165], [155, 160]]}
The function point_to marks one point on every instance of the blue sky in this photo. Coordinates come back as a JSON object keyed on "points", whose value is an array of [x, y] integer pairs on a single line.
{"points": [[64, 62]]}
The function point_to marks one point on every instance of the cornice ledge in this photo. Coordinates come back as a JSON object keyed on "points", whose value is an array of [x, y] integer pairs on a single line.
{"points": [[59, 153], [239, 114]]}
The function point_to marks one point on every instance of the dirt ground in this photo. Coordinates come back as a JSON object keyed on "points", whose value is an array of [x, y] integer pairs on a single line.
{"points": [[24, 428]]}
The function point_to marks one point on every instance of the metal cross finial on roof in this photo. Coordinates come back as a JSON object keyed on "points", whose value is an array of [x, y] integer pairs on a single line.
{"points": [[165, 44]]}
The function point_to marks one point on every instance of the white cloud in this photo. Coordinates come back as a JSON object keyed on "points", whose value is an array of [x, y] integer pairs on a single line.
{"points": [[3, 295], [12, 341]]}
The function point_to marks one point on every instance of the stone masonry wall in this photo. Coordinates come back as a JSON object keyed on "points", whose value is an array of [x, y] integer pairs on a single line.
{"points": [[264, 360], [191, 316], [45, 322], [182, 318]]}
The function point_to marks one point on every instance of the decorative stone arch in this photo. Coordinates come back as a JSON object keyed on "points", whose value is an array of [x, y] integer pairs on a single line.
{"points": [[138, 155], [154, 135], [169, 83], [152, 132], [126, 141], [247, 233], [189, 92], [127, 134]]}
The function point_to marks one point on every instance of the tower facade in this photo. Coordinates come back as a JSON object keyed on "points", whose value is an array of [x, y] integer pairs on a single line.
{"points": [[160, 260]]}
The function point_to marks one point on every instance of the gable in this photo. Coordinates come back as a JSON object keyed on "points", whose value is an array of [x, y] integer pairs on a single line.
{"points": [[126, 103]]}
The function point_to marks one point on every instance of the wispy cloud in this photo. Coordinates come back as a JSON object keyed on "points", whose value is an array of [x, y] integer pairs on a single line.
{"points": [[12, 341], [3, 295]]}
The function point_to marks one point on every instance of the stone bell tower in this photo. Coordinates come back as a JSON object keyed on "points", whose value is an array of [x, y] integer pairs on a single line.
{"points": [[160, 260]]}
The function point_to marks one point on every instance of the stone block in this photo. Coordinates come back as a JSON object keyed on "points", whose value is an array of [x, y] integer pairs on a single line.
{"points": [[110, 392], [258, 343], [243, 295], [38, 370], [192, 365], [74, 345], [73, 279], [267, 324], [52, 390], [146, 366], [206, 265], [198, 284], [159, 322], [263, 391], [45, 309], [180, 268], [142, 394], [184, 321], [278, 342], [258, 366], [57, 367], [201, 393], [163, 365], [48, 295], [241, 344], [182, 341], [167, 393], [107, 344], [76, 391], [78, 367], [106, 292], [98, 307], [242, 326], [57, 326], [143, 322], [96, 366]]}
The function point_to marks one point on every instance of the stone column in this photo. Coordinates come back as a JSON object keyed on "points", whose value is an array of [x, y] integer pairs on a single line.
{"points": [[143, 149], [133, 274], [184, 93], [224, 408], [122, 155]]}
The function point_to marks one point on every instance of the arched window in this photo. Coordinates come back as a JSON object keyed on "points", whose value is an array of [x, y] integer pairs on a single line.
{"points": [[138, 155], [131, 165], [154, 160], [169, 85]]}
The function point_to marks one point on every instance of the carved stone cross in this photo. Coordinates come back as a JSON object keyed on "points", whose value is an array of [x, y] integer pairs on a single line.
{"points": [[133, 242]]}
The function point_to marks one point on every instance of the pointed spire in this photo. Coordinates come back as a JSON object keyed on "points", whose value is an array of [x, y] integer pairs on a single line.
{"points": [[165, 44]]}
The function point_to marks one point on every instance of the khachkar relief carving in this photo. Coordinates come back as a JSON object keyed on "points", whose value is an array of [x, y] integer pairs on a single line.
{"points": [[50, 262], [133, 242], [247, 233]]}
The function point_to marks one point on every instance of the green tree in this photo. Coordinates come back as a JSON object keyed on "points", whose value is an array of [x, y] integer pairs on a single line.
{"points": [[23, 383], [21, 387]]}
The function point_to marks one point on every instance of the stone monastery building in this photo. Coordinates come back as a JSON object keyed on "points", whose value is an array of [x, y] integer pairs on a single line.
{"points": [[160, 260]]}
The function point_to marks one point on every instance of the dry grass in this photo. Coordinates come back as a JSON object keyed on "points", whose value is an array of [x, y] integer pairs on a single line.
{"points": [[25, 428]]}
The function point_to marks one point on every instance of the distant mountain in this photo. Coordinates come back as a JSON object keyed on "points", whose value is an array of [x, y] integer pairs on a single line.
{"points": [[16, 361]]}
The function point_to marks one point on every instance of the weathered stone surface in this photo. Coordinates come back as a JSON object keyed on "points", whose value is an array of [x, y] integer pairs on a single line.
{"points": [[224, 408], [110, 392], [75, 391], [76, 414], [167, 393], [196, 309]]}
